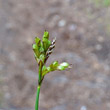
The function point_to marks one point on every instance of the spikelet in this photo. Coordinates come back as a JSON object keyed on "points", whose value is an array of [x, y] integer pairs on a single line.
{"points": [[50, 49]]}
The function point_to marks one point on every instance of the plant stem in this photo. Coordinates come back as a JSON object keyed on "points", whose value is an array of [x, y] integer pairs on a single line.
{"points": [[38, 88], [40, 73], [37, 98]]}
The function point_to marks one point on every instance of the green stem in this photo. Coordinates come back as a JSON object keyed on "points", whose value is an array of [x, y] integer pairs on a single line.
{"points": [[37, 98], [40, 73], [38, 88]]}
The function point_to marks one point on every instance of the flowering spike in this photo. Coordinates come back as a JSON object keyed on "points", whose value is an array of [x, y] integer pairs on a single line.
{"points": [[42, 50]]}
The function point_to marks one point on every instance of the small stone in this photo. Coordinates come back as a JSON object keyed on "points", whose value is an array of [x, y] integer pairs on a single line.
{"points": [[7, 96], [83, 108], [59, 107], [100, 39], [96, 65], [106, 67], [60, 80], [98, 47], [29, 40], [61, 23], [1, 67], [9, 26], [12, 56], [72, 27], [108, 105]]}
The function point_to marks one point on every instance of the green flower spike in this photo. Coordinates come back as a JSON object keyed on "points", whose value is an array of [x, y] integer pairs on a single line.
{"points": [[42, 51]]}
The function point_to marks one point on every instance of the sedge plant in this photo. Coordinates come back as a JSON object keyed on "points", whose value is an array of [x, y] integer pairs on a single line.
{"points": [[42, 50]]}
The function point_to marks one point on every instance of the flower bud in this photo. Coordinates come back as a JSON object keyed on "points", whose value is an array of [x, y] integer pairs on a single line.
{"points": [[61, 67], [65, 64]]}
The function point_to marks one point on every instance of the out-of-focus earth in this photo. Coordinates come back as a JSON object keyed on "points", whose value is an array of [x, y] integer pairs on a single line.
{"points": [[82, 30]]}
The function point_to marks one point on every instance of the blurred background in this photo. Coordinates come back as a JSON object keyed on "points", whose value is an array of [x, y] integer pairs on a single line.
{"points": [[82, 29]]}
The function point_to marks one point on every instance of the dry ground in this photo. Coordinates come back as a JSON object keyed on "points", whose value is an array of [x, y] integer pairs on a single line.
{"points": [[82, 29]]}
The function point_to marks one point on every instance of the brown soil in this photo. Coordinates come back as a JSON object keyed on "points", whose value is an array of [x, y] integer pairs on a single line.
{"points": [[82, 29]]}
